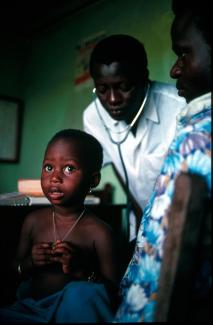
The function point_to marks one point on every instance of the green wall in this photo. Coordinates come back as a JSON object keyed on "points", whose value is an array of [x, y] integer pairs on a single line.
{"points": [[42, 73]]}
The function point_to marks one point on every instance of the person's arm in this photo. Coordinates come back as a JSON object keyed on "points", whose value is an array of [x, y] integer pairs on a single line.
{"points": [[135, 206], [107, 253], [109, 262], [89, 124], [23, 262], [29, 254]]}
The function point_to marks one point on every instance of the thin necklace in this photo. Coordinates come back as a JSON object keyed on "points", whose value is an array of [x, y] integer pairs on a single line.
{"points": [[69, 230], [128, 128]]}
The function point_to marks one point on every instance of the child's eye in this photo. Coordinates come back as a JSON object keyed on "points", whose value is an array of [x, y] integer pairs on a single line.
{"points": [[69, 169], [48, 168]]}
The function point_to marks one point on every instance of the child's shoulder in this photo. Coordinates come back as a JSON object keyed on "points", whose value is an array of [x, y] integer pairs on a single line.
{"points": [[95, 222], [37, 214]]}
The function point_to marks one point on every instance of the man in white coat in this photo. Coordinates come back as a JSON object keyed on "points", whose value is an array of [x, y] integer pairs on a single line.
{"points": [[133, 117]]}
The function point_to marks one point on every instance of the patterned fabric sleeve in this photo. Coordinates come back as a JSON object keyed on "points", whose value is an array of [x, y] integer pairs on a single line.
{"points": [[189, 152]]}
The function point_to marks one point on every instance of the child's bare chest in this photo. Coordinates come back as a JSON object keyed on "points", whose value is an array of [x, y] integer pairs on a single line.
{"points": [[46, 231]]}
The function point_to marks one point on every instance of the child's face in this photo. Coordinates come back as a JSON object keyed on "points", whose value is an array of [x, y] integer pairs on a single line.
{"points": [[64, 177]]}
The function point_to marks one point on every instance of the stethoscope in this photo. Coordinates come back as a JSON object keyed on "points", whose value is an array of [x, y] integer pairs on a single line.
{"points": [[126, 130]]}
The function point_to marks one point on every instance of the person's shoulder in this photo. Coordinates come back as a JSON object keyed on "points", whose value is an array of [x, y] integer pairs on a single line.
{"points": [[90, 115], [96, 223], [99, 231], [37, 214], [34, 218], [164, 87], [89, 109], [167, 90]]}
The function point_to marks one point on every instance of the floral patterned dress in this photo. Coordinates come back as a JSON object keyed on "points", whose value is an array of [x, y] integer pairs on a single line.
{"points": [[190, 151]]}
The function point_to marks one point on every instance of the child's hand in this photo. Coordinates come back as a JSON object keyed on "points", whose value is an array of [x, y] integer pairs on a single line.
{"points": [[41, 254], [63, 253]]}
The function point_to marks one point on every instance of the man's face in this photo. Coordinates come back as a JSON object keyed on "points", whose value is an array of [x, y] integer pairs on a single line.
{"points": [[193, 65], [117, 90]]}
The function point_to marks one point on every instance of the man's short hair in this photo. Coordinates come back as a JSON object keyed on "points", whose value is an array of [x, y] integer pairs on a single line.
{"points": [[121, 48], [200, 14]]}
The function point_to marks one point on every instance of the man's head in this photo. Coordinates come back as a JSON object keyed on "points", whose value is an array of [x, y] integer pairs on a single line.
{"points": [[191, 42], [118, 66]]}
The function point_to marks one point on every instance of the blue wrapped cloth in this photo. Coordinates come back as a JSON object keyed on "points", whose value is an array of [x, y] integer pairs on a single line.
{"points": [[77, 302]]}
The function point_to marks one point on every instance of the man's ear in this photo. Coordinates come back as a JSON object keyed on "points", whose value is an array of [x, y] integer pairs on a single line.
{"points": [[95, 179]]}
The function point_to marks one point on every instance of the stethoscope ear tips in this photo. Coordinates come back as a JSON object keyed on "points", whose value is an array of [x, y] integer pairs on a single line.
{"points": [[94, 90]]}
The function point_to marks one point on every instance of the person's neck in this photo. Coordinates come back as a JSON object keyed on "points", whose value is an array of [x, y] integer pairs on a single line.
{"points": [[66, 211], [134, 129], [142, 102]]}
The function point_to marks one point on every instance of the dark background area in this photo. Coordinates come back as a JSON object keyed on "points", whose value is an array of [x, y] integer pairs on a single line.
{"points": [[27, 18]]}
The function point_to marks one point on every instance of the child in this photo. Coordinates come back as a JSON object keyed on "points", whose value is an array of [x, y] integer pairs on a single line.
{"points": [[66, 253]]}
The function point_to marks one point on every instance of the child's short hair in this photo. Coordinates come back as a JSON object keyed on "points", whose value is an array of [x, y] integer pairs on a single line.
{"points": [[92, 151]]}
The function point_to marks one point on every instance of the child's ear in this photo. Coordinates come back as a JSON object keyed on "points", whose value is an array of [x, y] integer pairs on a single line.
{"points": [[95, 180]]}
